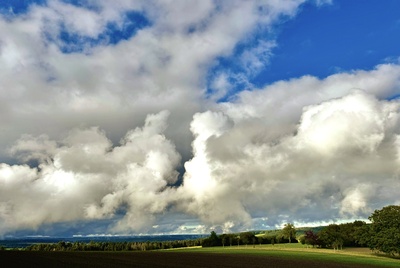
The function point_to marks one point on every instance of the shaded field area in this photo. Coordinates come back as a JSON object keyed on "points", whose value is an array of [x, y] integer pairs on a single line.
{"points": [[179, 258]]}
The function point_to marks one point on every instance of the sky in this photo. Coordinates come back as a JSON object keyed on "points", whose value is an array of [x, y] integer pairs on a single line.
{"points": [[176, 117]]}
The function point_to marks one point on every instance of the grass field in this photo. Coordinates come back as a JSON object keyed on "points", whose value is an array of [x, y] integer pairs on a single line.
{"points": [[283, 255], [349, 256]]}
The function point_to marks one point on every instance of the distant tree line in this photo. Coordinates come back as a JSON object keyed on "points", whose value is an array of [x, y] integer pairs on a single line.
{"points": [[382, 234], [113, 246], [248, 238], [245, 238]]}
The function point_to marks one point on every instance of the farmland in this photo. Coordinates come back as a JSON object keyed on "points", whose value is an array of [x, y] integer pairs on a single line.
{"points": [[284, 255]]}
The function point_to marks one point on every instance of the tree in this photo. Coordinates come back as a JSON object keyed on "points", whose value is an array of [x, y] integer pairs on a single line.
{"points": [[385, 230], [254, 239], [224, 239], [363, 235], [289, 231], [331, 236], [310, 238], [246, 237], [302, 239], [350, 233], [278, 238], [212, 241], [231, 238]]}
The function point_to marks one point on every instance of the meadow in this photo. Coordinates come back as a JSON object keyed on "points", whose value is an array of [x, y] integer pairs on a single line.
{"points": [[282, 255], [351, 257]]}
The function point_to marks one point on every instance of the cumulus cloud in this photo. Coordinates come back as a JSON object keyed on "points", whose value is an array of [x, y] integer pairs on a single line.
{"points": [[335, 160], [86, 177], [160, 67], [210, 198]]}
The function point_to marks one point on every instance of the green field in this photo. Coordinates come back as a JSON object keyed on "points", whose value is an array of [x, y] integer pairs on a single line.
{"points": [[282, 255], [359, 256]]}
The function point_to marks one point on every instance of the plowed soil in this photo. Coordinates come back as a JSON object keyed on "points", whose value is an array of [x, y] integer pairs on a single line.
{"points": [[155, 259]]}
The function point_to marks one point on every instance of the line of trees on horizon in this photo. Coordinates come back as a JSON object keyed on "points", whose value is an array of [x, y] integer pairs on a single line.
{"points": [[382, 234], [114, 246], [245, 238], [286, 235], [336, 236]]}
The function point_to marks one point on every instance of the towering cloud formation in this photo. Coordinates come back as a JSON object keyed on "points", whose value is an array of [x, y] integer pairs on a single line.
{"points": [[336, 160], [85, 177]]}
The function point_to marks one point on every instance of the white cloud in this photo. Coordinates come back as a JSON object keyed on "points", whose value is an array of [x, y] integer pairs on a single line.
{"points": [[323, 2], [257, 58], [332, 161], [116, 86], [357, 124], [285, 99], [78, 20], [220, 86], [86, 177], [355, 200]]}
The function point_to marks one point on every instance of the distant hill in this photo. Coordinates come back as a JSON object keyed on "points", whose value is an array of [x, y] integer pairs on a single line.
{"points": [[299, 231]]}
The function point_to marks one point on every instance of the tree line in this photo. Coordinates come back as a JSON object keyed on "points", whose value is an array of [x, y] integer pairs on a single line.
{"points": [[382, 234], [336, 236], [113, 246], [287, 235]]}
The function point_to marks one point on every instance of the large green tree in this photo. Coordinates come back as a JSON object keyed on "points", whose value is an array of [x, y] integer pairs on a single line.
{"points": [[212, 241], [289, 231], [385, 230], [332, 236], [247, 237]]}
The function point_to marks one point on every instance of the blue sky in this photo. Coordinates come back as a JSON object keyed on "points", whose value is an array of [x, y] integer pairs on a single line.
{"points": [[344, 36], [130, 117]]}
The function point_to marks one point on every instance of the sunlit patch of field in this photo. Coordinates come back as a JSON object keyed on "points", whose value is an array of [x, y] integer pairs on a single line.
{"points": [[356, 256]]}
